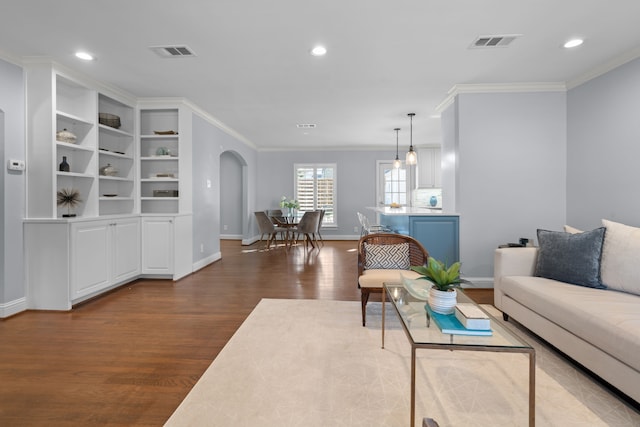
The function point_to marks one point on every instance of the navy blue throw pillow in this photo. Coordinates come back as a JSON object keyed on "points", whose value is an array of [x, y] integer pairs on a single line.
{"points": [[571, 258]]}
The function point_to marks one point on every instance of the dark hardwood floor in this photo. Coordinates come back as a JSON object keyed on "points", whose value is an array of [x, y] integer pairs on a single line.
{"points": [[130, 357]]}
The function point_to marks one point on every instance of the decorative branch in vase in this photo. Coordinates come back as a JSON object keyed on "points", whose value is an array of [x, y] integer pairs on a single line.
{"points": [[289, 204], [69, 198]]}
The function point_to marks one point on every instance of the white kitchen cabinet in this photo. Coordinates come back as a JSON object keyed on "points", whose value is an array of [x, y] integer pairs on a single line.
{"points": [[79, 259], [166, 246], [429, 168]]}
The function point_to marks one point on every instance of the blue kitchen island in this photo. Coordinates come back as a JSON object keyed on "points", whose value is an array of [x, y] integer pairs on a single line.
{"points": [[438, 231]]}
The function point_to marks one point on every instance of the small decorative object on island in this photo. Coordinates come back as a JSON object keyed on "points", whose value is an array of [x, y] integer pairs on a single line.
{"points": [[442, 295], [65, 136], [64, 166], [433, 201], [291, 205], [70, 198]]}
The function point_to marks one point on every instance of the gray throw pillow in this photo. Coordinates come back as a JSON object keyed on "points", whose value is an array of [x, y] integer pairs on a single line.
{"points": [[571, 258], [387, 256]]}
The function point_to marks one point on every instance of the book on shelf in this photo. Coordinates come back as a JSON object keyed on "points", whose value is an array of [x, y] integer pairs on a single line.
{"points": [[448, 324], [471, 316]]}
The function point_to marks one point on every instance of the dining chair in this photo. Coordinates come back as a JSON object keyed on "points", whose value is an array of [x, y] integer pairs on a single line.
{"points": [[266, 226], [366, 227], [276, 216], [317, 233], [307, 226], [385, 258]]}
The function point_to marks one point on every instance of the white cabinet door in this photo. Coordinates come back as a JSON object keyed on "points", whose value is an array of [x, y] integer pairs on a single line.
{"points": [[90, 257], [429, 169], [437, 168], [157, 245], [126, 249]]}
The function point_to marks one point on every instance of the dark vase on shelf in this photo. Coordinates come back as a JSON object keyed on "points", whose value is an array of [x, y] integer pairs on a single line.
{"points": [[64, 166]]}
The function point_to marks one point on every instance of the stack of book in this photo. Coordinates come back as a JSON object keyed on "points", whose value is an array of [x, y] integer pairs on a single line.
{"points": [[467, 319]]}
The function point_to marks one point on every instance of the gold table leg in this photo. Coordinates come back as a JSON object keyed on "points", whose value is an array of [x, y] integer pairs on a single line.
{"points": [[384, 292]]}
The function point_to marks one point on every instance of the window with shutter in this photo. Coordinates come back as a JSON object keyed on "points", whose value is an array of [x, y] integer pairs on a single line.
{"points": [[316, 189]]}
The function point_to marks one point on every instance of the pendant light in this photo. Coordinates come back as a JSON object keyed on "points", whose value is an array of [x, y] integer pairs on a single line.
{"points": [[412, 156], [397, 163]]}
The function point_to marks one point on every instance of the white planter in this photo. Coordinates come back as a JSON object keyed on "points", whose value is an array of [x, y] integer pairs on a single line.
{"points": [[442, 302]]}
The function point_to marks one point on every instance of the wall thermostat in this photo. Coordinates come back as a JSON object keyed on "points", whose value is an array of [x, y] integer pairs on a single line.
{"points": [[15, 165]]}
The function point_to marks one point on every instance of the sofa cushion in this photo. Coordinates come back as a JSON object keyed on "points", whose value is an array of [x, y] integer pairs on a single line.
{"points": [[571, 258], [572, 230], [609, 320], [387, 256], [375, 278], [620, 267]]}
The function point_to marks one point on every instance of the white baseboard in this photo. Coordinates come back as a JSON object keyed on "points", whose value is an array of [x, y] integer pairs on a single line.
{"points": [[13, 307], [479, 282], [341, 237], [231, 236], [206, 261], [250, 241]]}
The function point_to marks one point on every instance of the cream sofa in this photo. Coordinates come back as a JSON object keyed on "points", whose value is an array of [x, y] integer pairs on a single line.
{"points": [[598, 328]]}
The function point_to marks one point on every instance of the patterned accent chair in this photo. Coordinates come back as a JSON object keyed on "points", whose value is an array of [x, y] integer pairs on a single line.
{"points": [[385, 258]]}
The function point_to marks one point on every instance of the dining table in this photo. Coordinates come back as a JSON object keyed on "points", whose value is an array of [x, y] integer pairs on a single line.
{"points": [[289, 223]]}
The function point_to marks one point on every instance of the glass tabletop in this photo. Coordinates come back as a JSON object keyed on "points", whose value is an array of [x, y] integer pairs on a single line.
{"points": [[413, 317]]}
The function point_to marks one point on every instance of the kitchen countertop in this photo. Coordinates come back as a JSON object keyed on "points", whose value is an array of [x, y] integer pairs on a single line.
{"points": [[410, 211]]}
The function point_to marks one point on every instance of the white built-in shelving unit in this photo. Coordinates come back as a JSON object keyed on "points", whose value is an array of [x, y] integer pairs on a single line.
{"points": [[73, 258], [160, 160], [117, 148], [165, 187]]}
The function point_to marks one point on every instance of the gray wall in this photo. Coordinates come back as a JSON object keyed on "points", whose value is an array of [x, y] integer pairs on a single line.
{"points": [[231, 196], [356, 180], [604, 148], [12, 199], [209, 143], [510, 152]]}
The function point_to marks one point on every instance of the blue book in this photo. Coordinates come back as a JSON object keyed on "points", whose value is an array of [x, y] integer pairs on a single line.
{"points": [[448, 324]]}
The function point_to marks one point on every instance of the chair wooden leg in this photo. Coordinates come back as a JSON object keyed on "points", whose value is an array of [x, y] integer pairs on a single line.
{"points": [[272, 237], [365, 298]]}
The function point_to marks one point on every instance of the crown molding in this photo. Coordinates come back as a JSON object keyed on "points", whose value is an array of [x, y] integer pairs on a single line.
{"points": [[11, 58], [327, 148], [220, 125], [604, 68], [73, 74], [499, 88], [159, 102]]}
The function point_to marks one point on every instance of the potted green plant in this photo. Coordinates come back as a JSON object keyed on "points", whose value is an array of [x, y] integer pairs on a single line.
{"points": [[444, 280]]}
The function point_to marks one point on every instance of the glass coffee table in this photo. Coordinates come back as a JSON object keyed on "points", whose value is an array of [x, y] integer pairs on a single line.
{"points": [[426, 335]]}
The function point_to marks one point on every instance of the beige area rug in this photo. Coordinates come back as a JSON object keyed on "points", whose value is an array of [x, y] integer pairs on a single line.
{"points": [[311, 363]]}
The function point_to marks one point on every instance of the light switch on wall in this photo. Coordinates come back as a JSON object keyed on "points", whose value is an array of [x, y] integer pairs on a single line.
{"points": [[208, 183]]}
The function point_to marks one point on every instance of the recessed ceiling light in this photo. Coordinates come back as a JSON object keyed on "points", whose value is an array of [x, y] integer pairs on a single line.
{"points": [[84, 56], [573, 43], [319, 51]]}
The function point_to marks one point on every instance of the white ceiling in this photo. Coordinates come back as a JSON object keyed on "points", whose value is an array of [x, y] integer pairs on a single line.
{"points": [[386, 58]]}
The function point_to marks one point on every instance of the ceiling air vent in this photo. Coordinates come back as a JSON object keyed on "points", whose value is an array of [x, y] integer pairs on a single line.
{"points": [[172, 51], [306, 126], [503, 40]]}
